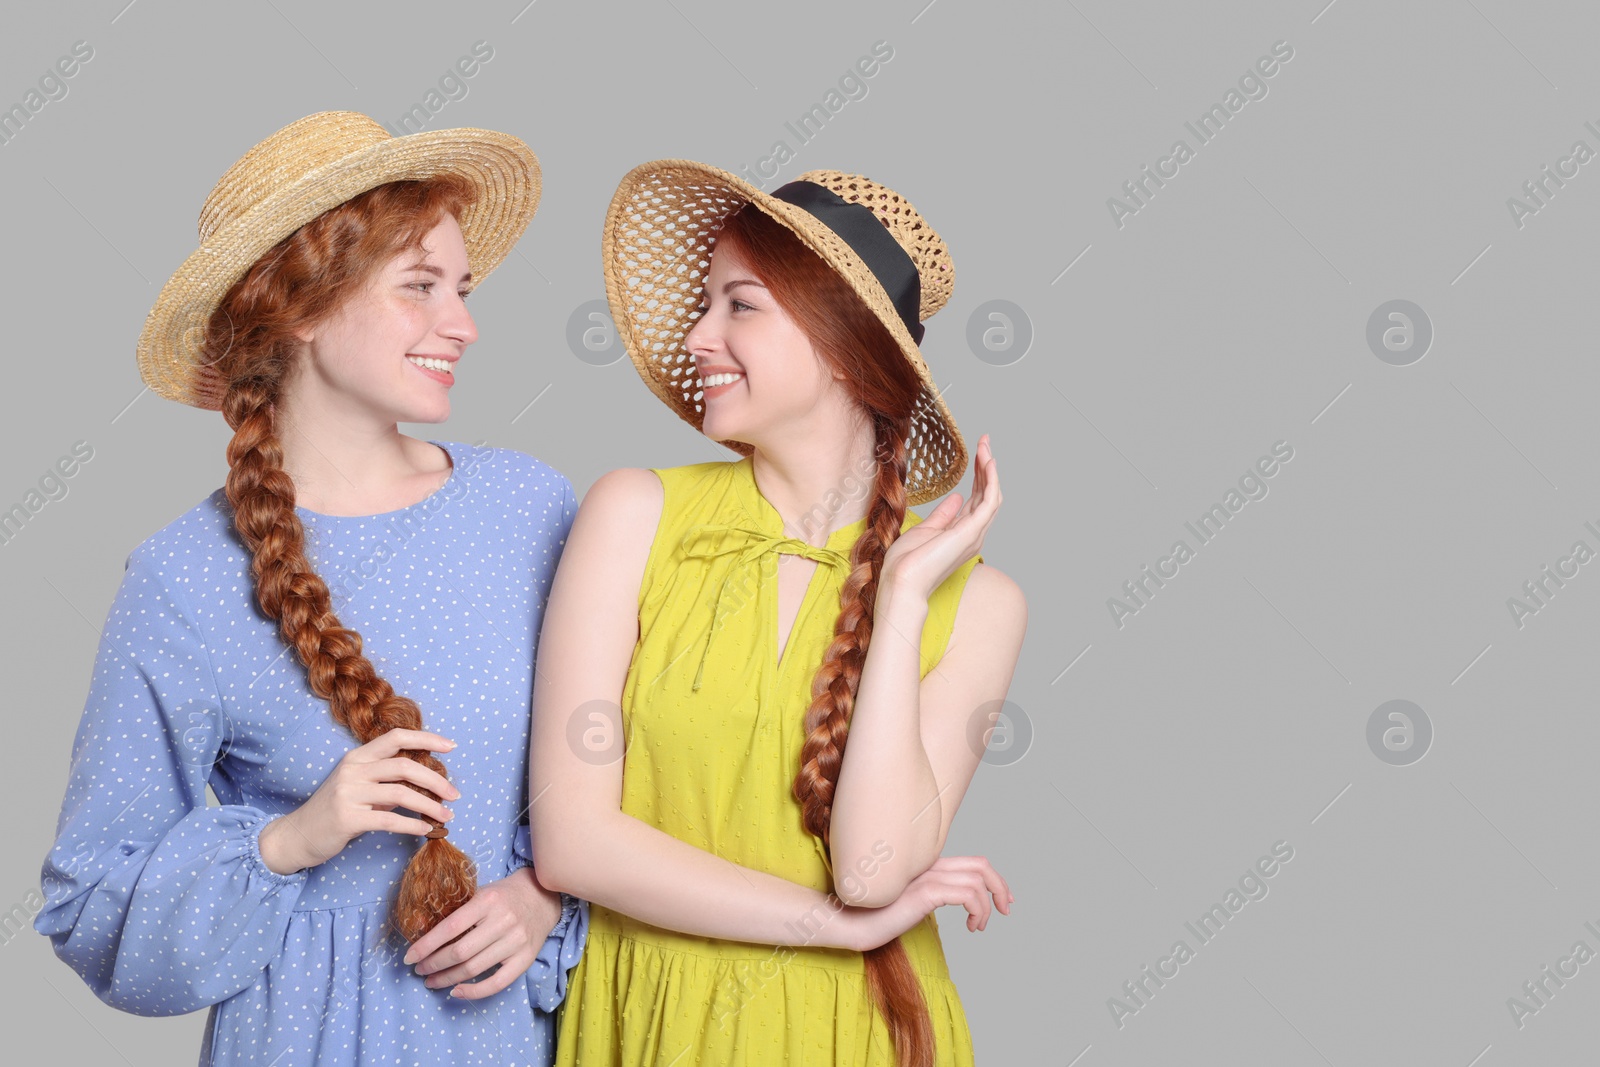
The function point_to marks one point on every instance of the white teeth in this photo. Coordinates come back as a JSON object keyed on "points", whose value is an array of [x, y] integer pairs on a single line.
{"points": [[431, 363], [711, 381]]}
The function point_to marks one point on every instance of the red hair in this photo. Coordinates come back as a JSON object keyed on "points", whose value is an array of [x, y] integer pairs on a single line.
{"points": [[250, 340], [853, 342]]}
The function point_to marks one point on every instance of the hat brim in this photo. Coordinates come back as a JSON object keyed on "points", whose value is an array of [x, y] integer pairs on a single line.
{"points": [[502, 166], [656, 253]]}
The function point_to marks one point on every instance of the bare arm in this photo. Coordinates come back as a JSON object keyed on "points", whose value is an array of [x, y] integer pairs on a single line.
{"points": [[584, 844], [911, 750]]}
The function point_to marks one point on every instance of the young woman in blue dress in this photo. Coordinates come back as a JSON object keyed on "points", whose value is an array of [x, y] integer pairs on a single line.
{"points": [[311, 638]]}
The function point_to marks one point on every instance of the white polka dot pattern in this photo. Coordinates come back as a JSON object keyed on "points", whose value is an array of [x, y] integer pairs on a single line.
{"points": [[163, 905]]}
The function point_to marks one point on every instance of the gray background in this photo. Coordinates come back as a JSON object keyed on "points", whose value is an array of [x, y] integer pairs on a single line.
{"points": [[1229, 313]]}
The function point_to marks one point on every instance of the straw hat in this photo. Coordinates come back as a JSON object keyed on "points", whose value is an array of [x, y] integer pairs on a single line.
{"points": [[309, 166], [656, 249]]}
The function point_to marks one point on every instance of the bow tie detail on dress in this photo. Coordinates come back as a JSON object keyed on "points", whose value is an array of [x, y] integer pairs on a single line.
{"points": [[750, 544]]}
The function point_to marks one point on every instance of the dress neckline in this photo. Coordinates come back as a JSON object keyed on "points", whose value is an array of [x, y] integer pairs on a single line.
{"points": [[447, 489], [761, 511]]}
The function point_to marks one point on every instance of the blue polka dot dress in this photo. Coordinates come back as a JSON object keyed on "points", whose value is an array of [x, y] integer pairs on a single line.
{"points": [[160, 900]]}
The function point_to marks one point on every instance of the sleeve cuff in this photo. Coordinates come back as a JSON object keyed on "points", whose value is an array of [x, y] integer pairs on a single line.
{"points": [[562, 949], [258, 865], [569, 908]]}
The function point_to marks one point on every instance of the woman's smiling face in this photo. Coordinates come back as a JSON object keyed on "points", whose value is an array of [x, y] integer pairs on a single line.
{"points": [[370, 358], [773, 376]]}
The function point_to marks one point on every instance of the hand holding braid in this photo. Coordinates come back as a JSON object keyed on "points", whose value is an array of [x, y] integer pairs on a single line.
{"points": [[393, 767]]}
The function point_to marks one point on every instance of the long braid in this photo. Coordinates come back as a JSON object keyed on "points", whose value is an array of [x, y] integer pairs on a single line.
{"points": [[851, 341], [893, 983], [251, 339]]}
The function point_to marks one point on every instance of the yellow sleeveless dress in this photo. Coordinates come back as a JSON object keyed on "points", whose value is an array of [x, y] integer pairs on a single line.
{"points": [[713, 723]]}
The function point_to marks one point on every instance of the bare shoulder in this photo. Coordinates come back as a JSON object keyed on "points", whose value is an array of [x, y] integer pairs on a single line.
{"points": [[627, 496], [992, 603], [616, 523]]}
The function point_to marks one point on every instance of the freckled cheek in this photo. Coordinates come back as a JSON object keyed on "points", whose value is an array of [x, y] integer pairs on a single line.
{"points": [[405, 313]]}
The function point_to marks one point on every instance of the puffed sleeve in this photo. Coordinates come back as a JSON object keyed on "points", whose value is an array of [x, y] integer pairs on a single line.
{"points": [[160, 903]]}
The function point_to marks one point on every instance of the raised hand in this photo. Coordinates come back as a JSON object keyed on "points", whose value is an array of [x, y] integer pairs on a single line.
{"points": [[928, 553]]}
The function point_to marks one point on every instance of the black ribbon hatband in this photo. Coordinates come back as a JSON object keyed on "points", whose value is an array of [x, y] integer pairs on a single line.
{"points": [[858, 226]]}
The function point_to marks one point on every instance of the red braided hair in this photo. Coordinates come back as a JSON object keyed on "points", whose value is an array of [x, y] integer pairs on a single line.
{"points": [[851, 341], [250, 339]]}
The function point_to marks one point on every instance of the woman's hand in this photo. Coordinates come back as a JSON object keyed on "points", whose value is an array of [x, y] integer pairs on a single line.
{"points": [[359, 795], [505, 923], [965, 880], [929, 552]]}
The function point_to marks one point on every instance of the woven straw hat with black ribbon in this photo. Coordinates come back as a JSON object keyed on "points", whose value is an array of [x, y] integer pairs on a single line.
{"points": [[304, 169], [659, 233]]}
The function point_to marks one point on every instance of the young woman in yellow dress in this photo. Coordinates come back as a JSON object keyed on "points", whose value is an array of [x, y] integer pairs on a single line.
{"points": [[759, 680]]}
